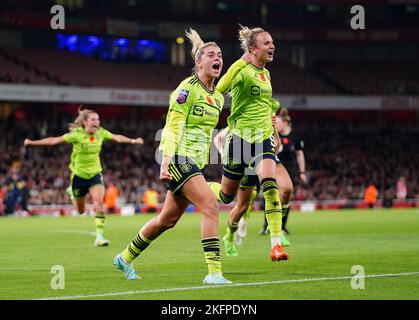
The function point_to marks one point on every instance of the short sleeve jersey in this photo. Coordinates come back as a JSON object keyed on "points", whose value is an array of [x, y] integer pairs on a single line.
{"points": [[290, 143], [85, 158], [252, 108], [201, 109]]}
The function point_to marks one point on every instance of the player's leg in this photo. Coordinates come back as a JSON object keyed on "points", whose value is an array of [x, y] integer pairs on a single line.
{"points": [[242, 230], [285, 187], [197, 191], [226, 191], [242, 205], [266, 171], [233, 171], [173, 208], [77, 192], [80, 204], [97, 192], [70, 195]]}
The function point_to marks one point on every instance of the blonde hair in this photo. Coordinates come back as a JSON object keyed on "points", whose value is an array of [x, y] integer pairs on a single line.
{"points": [[248, 36], [198, 45], [81, 117]]}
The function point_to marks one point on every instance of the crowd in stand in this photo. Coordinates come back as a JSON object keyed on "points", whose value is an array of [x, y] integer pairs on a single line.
{"points": [[342, 159]]}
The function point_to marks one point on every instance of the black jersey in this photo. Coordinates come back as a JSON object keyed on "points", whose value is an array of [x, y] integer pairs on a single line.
{"points": [[287, 152]]}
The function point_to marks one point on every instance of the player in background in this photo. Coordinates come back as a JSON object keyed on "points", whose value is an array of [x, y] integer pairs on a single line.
{"points": [[194, 110], [251, 137], [246, 196], [87, 136], [291, 154]]}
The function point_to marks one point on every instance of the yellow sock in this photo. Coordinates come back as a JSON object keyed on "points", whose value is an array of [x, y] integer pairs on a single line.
{"points": [[212, 254], [219, 194], [100, 223], [138, 245], [273, 208]]}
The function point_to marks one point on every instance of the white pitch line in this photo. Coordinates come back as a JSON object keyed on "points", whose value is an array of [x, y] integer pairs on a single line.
{"points": [[91, 233], [111, 294]]}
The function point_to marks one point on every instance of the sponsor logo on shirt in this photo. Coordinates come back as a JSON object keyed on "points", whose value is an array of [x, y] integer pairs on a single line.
{"points": [[255, 90], [198, 110]]}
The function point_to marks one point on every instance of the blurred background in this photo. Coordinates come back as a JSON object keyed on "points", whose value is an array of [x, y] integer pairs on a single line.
{"points": [[353, 95]]}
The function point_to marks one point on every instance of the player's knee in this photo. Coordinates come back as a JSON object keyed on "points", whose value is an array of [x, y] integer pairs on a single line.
{"points": [[287, 191], [210, 210], [243, 206], [99, 204]]}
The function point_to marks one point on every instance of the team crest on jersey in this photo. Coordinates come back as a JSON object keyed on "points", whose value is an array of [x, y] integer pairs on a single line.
{"points": [[183, 96], [262, 76], [231, 163], [185, 167]]}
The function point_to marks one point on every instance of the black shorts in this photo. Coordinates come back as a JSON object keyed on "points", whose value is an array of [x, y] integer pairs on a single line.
{"points": [[182, 169], [240, 156], [80, 186], [250, 182]]}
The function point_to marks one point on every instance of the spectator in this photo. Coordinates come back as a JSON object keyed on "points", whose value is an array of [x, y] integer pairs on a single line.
{"points": [[401, 188], [370, 195], [150, 199], [111, 197]]}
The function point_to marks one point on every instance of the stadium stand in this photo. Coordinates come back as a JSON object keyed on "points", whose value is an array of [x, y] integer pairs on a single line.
{"points": [[340, 164], [41, 66], [374, 78]]}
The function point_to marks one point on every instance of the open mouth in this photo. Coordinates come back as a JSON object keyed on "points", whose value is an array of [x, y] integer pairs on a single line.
{"points": [[216, 66], [270, 53]]}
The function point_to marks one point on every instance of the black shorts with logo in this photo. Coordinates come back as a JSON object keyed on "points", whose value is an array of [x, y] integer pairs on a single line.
{"points": [[241, 156], [182, 169], [80, 186]]}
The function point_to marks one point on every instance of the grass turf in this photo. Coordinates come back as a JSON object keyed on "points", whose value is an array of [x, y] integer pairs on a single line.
{"points": [[323, 245]]}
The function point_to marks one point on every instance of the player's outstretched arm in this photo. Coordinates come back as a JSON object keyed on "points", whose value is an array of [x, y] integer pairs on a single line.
{"points": [[224, 85], [122, 139], [50, 141]]}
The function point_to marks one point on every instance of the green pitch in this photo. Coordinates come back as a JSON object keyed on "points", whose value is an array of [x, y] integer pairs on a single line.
{"points": [[324, 247]]}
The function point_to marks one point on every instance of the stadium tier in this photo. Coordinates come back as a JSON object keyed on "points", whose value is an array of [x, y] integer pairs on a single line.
{"points": [[374, 78], [41, 66]]}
